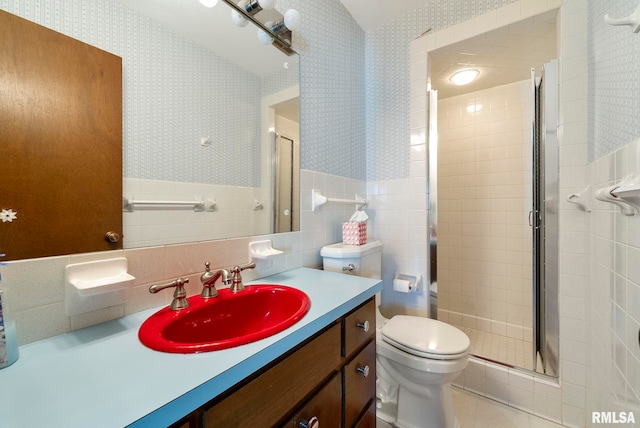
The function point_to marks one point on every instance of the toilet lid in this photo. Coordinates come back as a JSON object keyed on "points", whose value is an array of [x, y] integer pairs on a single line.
{"points": [[425, 337]]}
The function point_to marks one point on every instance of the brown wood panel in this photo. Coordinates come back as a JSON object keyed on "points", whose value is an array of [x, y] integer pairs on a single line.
{"points": [[326, 405], [355, 336], [269, 398], [60, 142], [358, 389], [368, 419]]}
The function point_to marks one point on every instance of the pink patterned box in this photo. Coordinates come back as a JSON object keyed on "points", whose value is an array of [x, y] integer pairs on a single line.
{"points": [[354, 232]]}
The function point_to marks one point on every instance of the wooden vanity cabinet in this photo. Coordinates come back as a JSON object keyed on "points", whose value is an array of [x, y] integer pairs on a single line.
{"points": [[331, 377], [359, 370]]}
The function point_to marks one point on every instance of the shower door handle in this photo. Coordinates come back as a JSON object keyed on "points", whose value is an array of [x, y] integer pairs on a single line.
{"points": [[534, 217]]}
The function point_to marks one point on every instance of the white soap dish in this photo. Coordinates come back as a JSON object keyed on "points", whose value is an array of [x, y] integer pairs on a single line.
{"points": [[96, 285], [99, 277], [263, 250]]}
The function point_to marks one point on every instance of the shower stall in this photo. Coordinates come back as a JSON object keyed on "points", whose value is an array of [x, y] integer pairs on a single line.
{"points": [[496, 176]]}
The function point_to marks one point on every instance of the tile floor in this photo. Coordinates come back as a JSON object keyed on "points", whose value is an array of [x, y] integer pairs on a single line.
{"points": [[474, 411], [515, 352]]}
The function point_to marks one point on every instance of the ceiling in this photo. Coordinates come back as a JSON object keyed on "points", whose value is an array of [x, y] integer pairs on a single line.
{"points": [[371, 14], [502, 56], [209, 27]]}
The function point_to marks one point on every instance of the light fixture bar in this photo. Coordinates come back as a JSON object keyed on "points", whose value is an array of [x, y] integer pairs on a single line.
{"points": [[282, 40]]}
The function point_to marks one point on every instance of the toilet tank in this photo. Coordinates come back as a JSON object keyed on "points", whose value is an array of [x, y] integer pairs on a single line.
{"points": [[366, 260]]}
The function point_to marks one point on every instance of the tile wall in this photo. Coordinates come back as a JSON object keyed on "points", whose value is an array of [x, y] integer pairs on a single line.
{"points": [[40, 308], [229, 211], [484, 196], [613, 297], [613, 360], [397, 218], [574, 225]]}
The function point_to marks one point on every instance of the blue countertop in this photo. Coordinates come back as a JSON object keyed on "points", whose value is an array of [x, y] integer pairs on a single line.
{"points": [[102, 376]]}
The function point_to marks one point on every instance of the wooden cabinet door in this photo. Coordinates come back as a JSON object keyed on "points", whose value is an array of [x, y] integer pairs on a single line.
{"points": [[359, 383], [60, 142], [326, 406]]}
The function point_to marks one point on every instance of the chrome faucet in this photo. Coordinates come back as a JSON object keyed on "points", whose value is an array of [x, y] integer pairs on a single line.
{"points": [[209, 279], [236, 278], [179, 295]]}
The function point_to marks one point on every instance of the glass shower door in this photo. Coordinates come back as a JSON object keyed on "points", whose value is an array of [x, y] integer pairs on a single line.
{"points": [[543, 219]]}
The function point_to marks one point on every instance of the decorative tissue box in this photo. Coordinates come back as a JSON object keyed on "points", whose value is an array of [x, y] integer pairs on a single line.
{"points": [[354, 232]]}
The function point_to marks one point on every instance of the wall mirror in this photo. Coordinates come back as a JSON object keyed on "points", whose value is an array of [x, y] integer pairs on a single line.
{"points": [[204, 122], [205, 110]]}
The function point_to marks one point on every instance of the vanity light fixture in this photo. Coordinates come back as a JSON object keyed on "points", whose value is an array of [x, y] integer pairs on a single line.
{"points": [[209, 3], [250, 7], [277, 31], [464, 76], [290, 22]]}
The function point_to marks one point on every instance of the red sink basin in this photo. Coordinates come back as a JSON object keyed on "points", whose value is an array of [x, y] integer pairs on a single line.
{"points": [[229, 320]]}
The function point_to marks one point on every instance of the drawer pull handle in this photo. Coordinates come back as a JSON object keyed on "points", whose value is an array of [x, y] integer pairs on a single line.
{"points": [[311, 423], [364, 326], [364, 370]]}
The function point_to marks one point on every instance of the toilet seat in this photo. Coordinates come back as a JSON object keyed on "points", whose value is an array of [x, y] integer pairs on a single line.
{"points": [[425, 337]]}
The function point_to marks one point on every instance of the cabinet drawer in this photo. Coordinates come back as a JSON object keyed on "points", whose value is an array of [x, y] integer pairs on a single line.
{"points": [[359, 388], [265, 400], [356, 332], [326, 406]]}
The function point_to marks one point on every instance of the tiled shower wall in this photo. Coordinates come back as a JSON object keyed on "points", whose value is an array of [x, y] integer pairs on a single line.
{"points": [[484, 196]]}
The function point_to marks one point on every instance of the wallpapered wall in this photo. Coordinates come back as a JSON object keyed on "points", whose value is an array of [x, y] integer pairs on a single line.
{"points": [[387, 79], [331, 46], [614, 105]]}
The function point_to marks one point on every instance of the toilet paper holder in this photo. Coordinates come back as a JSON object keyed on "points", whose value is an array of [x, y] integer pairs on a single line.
{"points": [[406, 283]]}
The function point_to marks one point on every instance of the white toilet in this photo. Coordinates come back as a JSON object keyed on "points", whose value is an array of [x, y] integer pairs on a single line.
{"points": [[416, 357]]}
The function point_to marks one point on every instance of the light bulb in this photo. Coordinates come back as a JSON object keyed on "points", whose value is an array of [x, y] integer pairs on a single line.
{"points": [[267, 4], [263, 36], [464, 76], [209, 3], [238, 19], [292, 19]]}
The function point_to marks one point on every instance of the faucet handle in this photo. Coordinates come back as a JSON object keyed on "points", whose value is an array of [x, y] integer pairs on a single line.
{"points": [[179, 295], [236, 279]]}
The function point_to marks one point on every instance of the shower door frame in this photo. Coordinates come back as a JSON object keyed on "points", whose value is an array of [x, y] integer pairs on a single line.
{"points": [[544, 220]]}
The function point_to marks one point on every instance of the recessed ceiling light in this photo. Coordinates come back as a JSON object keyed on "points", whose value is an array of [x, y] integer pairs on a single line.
{"points": [[464, 76]]}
